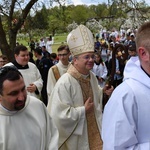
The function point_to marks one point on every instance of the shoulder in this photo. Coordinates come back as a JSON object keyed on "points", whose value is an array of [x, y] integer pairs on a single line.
{"points": [[122, 93], [9, 64], [34, 102], [54, 67], [67, 80], [31, 64], [35, 108], [92, 76], [66, 83]]}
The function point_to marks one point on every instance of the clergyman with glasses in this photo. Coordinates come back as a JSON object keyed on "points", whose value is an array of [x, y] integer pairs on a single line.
{"points": [[56, 71], [76, 101]]}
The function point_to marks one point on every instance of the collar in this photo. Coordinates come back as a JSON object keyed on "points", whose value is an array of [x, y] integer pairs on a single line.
{"points": [[11, 112], [62, 65], [97, 63], [20, 66], [77, 75], [145, 71]]}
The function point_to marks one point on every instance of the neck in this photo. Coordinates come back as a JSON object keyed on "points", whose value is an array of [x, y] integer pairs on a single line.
{"points": [[83, 72], [146, 70], [65, 63]]}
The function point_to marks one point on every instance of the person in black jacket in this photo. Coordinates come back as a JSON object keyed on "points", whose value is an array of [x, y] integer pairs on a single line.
{"points": [[119, 68], [43, 64]]}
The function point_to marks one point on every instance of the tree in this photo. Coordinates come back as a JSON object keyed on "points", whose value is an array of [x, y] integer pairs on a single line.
{"points": [[41, 19], [57, 19], [80, 14], [8, 34]]}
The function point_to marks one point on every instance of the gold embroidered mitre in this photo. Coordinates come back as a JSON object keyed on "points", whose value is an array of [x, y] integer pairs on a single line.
{"points": [[80, 40]]}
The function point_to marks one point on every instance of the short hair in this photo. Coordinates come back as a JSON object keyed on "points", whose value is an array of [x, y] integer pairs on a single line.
{"points": [[143, 36], [4, 57], [44, 47], [63, 47], [31, 54], [99, 55], [132, 47], [19, 48], [38, 50], [10, 73], [54, 55]]}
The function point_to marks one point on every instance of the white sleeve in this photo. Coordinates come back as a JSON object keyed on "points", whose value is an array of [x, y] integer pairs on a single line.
{"points": [[119, 124], [51, 81]]}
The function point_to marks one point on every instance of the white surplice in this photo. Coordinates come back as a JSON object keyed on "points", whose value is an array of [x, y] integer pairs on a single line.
{"points": [[28, 129], [51, 80], [126, 123], [31, 75]]}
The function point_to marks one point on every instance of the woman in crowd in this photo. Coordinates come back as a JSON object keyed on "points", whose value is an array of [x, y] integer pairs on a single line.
{"points": [[100, 69]]}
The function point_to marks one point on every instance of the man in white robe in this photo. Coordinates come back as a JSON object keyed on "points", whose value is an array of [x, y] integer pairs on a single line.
{"points": [[49, 45], [76, 101], [59, 69], [29, 71], [126, 123], [24, 121]]}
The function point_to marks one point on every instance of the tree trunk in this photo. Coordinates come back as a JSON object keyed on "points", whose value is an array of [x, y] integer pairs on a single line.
{"points": [[7, 45], [4, 46]]}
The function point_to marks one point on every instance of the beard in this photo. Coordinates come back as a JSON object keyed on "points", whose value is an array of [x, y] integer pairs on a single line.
{"points": [[20, 104]]}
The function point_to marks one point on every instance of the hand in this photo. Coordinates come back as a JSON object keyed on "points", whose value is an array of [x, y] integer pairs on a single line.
{"points": [[108, 89], [118, 72], [89, 105], [31, 88], [100, 79]]}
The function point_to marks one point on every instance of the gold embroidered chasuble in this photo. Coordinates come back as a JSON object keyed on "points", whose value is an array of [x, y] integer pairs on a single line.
{"points": [[95, 142]]}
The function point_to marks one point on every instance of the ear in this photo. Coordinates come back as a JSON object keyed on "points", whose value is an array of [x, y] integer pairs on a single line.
{"points": [[143, 54], [0, 97], [74, 59], [15, 56]]}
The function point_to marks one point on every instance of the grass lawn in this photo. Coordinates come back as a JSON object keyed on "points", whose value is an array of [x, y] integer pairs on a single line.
{"points": [[58, 40]]}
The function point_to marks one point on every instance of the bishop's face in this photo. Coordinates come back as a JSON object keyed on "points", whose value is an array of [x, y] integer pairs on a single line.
{"points": [[84, 62]]}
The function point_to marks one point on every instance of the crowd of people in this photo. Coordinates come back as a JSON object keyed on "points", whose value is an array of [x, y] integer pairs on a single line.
{"points": [[56, 100]]}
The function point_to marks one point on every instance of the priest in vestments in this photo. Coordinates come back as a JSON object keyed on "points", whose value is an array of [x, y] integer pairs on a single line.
{"points": [[24, 121], [76, 101], [29, 71]]}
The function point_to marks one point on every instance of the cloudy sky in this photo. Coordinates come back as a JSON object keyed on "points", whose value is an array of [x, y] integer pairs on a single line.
{"points": [[88, 2]]}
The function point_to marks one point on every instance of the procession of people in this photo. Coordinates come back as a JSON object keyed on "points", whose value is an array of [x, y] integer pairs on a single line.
{"points": [[57, 100]]}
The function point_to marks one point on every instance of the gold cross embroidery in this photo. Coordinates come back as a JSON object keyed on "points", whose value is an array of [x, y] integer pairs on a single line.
{"points": [[74, 38]]}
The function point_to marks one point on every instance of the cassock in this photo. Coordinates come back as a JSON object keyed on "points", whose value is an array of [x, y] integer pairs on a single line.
{"points": [[31, 75]]}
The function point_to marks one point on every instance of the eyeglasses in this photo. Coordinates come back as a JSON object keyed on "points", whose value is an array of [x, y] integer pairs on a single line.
{"points": [[3, 61], [6, 69], [87, 57], [63, 55]]}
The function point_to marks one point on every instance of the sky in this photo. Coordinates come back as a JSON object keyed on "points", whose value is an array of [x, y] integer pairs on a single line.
{"points": [[88, 2]]}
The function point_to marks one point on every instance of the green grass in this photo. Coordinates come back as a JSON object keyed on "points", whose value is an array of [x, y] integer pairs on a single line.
{"points": [[59, 39], [55, 47]]}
